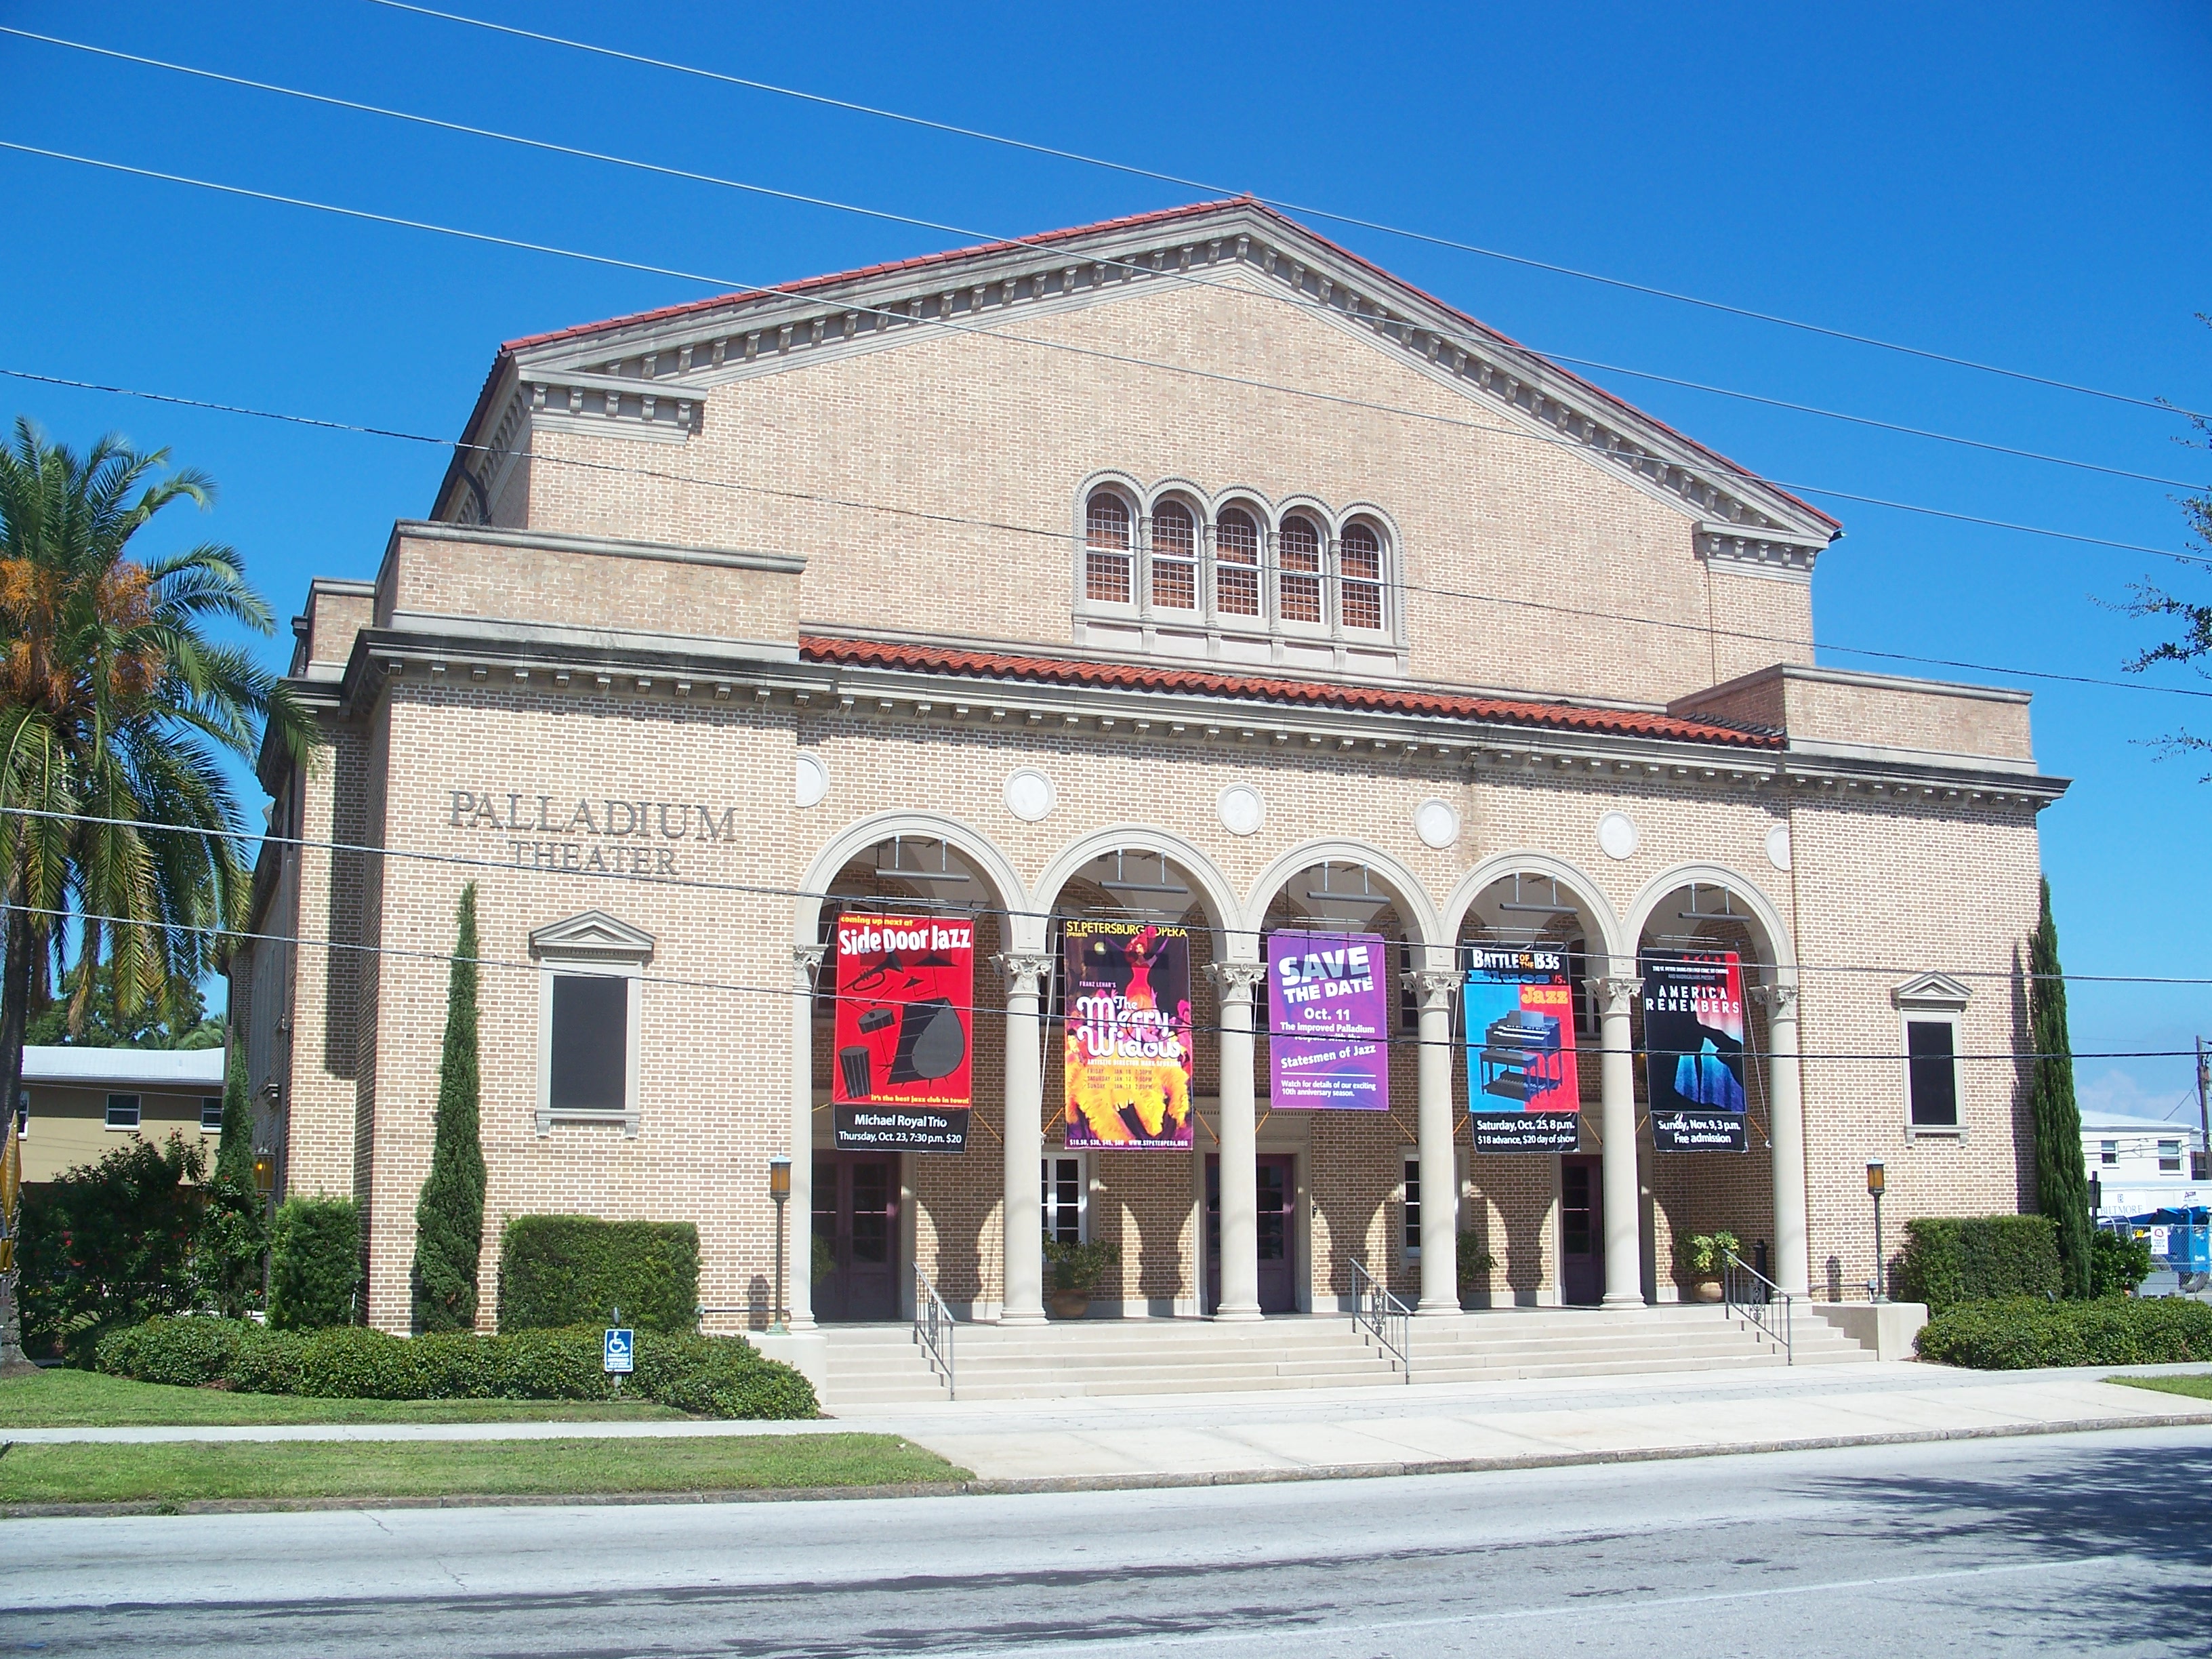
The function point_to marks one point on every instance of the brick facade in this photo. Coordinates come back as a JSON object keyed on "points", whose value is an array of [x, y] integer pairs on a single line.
{"points": [[559, 695]]}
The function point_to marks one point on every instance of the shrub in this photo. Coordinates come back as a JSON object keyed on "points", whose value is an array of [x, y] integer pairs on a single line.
{"points": [[558, 1270], [110, 1243], [1474, 1261], [187, 1353], [2118, 1263], [1703, 1255], [1978, 1259], [706, 1375], [449, 1216], [314, 1263], [1081, 1268], [2024, 1332]]}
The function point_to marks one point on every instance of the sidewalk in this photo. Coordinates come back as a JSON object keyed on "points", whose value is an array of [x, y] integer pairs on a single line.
{"points": [[1322, 1433]]}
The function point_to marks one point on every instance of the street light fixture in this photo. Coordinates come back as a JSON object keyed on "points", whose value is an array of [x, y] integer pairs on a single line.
{"points": [[1876, 1180], [779, 1188]]}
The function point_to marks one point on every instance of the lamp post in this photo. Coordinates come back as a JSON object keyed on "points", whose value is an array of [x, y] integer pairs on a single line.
{"points": [[779, 1188], [1876, 1181]]}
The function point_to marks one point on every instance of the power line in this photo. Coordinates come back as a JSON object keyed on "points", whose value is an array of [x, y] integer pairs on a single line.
{"points": [[949, 908], [1508, 601], [1181, 277], [1307, 209], [1214, 376], [1043, 1017]]}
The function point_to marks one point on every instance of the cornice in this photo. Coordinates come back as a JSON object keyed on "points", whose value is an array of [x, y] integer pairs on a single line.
{"points": [[766, 679], [654, 374]]}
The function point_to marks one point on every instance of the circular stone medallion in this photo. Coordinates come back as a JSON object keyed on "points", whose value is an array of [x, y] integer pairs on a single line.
{"points": [[1029, 794], [1435, 823], [1242, 809], [1617, 835], [809, 782], [1777, 847]]}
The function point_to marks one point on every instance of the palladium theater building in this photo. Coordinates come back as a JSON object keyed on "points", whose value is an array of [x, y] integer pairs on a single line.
{"points": [[1158, 737]]}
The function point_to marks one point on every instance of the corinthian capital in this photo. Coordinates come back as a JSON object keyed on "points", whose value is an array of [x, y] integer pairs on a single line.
{"points": [[1025, 972], [1781, 1000], [1235, 979], [1615, 995], [806, 962], [1434, 986]]}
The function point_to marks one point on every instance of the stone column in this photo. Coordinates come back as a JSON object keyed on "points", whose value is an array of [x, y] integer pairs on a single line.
{"points": [[1022, 1296], [1240, 1181], [1624, 1192], [1432, 1123], [1793, 1258], [799, 1214]]}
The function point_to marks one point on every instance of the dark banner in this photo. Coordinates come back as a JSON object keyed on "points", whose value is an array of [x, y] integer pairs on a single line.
{"points": [[1694, 1051], [906, 987], [1128, 1034], [1523, 1090]]}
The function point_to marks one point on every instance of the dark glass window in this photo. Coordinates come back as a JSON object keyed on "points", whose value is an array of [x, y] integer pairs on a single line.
{"points": [[211, 1114], [1412, 1206], [1063, 1199], [122, 1111], [1928, 1043], [591, 1043]]}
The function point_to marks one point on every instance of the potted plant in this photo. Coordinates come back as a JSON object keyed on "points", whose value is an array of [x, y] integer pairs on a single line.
{"points": [[1078, 1270], [1474, 1266], [1704, 1257]]}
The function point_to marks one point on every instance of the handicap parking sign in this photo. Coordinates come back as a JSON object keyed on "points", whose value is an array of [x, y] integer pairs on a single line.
{"points": [[621, 1345]]}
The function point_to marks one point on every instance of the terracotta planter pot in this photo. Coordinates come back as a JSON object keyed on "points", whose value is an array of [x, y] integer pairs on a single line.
{"points": [[1707, 1290], [1069, 1304]]}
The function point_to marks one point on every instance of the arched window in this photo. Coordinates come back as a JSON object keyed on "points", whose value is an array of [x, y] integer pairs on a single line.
{"points": [[1298, 558], [1359, 568], [1106, 577], [1175, 557], [1236, 564]]}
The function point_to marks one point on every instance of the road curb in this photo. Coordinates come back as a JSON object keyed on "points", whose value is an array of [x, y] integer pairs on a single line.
{"points": [[1017, 1485]]}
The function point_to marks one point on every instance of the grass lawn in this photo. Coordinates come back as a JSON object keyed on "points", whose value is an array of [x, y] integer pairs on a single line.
{"points": [[179, 1472], [64, 1399], [2197, 1385]]}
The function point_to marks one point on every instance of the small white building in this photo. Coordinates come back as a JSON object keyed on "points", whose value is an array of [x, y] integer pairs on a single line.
{"points": [[2143, 1163]]}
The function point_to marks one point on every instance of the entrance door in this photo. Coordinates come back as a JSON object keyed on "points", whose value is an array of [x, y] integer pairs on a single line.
{"points": [[1277, 1204], [856, 1216], [1582, 1230]]}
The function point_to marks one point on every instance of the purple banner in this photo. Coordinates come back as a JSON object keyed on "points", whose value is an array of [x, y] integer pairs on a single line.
{"points": [[1328, 1021]]}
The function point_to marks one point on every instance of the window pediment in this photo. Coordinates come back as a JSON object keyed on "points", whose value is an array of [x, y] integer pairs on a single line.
{"points": [[1931, 993], [594, 936]]}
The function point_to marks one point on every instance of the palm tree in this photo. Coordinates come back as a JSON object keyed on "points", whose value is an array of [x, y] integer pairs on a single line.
{"points": [[118, 822]]}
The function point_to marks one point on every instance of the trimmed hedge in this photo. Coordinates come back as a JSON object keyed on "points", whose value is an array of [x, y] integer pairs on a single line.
{"points": [[705, 1376], [561, 1270], [314, 1263], [2025, 1332], [1978, 1259]]}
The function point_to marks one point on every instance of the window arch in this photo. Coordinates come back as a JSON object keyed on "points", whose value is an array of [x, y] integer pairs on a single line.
{"points": [[1236, 563], [1106, 556], [1359, 577], [1175, 557], [1298, 570]]}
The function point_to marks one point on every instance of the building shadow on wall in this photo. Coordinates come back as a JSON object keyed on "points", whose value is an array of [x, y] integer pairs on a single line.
{"points": [[2108, 1503]]}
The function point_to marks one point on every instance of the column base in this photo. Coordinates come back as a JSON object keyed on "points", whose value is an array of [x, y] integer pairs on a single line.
{"points": [[1231, 1315], [1023, 1319], [801, 1323], [1427, 1309], [1622, 1299]]}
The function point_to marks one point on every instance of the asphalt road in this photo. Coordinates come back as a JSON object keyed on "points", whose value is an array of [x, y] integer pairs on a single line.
{"points": [[2075, 1544]]}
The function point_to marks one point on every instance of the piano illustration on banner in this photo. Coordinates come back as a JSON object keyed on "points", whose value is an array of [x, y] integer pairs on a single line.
{"points": [[1523, 1058]]}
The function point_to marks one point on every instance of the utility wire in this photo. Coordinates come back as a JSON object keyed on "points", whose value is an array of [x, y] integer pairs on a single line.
{"points": [[1044, 1018], [1306, 209], [1092, 354], [1180, 277], [956, 908], [1508, 601]]}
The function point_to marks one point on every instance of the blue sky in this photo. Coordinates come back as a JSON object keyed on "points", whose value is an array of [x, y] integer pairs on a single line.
{"points": [[2024, 187]]}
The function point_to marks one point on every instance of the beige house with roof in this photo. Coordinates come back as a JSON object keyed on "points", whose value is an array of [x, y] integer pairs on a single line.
{"points": [[1184, 571]]}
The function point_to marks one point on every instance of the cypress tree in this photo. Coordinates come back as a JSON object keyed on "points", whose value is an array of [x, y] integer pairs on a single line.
{"points": [[234, 1237], [449, 1218], [2062, 1178], [234, 1151]]}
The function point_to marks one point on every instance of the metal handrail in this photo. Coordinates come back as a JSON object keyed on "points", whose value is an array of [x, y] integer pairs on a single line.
{"points": [[1376, 1313], [933, 1328], [1749, 1295]]}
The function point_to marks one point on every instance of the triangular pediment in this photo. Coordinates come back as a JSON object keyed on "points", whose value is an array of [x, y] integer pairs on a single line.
{"points": [[592, 936], [651, 372], [1932, 991]]}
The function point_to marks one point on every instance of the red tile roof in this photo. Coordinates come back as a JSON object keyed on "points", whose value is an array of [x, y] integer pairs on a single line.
{"points": [[1201, 682]]}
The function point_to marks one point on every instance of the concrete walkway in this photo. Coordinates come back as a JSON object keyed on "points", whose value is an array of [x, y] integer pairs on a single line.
{"points": [[1320, 1433]]}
